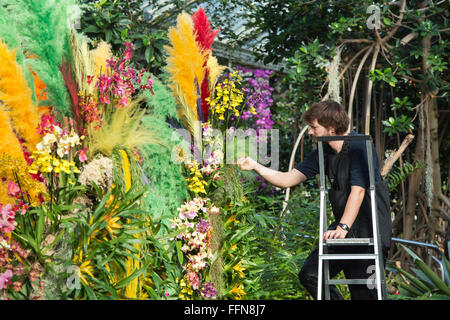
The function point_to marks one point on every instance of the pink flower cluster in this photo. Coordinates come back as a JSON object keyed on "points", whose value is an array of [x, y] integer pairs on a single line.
{"points": [[13, 272], [121, 80], [196, 236], [8, 212], [47, 125]]}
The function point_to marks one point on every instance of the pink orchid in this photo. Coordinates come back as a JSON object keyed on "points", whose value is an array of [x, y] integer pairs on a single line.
{"points": [[82, 156], [13, 189], [5, 278]]}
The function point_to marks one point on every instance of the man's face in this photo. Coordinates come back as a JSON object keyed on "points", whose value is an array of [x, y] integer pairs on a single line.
{"points": [[317, 130]]}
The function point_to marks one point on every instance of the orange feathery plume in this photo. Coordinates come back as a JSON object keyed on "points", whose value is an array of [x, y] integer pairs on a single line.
{"points": [[17, 96], [40, 87], [185, 64], [9, 144]]}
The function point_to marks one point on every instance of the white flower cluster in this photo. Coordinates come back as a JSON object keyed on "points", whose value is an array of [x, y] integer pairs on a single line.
{"points": [[99, 170], [64, 141], [213, 146]]}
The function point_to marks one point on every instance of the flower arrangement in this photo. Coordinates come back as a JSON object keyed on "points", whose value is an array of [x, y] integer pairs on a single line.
{"points": [[80, 216], [194, 238]]}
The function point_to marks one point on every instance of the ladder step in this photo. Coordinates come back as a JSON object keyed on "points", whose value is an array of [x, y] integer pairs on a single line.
{"points": [[349, 241], [353, 256], [351, 281]]}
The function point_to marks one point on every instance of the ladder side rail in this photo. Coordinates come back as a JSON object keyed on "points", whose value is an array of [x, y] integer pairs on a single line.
{"points": [[323, 218], [375, 227]]}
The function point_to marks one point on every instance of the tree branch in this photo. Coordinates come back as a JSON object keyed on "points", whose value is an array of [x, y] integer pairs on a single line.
{"points": [[397, 24], [395, 155], [355, 81], [369, 89]]}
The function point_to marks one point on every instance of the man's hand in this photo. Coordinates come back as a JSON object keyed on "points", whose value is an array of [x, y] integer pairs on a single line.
{"points": [[339, 233], [246, 163]]}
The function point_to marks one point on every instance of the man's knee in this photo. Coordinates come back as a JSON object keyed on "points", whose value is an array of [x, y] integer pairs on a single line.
{"points": [[308, 275]]}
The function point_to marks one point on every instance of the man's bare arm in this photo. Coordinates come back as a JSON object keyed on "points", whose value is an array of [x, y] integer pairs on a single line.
{"points": [[351, 210], [275, 177]]}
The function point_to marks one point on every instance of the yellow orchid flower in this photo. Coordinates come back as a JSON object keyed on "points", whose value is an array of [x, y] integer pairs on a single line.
{"points": [[238, 291], [239, 269]]}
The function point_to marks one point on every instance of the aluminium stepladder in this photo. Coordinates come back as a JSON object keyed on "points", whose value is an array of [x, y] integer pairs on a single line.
{"points": [[324, 256]]}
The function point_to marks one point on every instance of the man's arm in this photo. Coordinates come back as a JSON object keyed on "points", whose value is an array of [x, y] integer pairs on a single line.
{"points": [[277, 178], [351, 210]]}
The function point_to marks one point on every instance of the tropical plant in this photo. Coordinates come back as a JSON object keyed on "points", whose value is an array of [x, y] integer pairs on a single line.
{"points": [[118, 21], [424, 282]]}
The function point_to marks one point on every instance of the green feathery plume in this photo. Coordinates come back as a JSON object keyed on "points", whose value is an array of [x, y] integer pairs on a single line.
{"points": [[42, 28], [8, 35], [168, 188]]}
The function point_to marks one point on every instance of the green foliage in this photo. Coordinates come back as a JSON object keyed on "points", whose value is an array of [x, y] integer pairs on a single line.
{"points": [[399, 174], [424, 283], [281, 244], [398, 125], [118, 21], [400, 104], [386, 76], [95, 266]]}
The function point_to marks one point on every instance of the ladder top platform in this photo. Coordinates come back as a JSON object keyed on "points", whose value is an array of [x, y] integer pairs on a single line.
{"points": [[349, 241], [345, 138]]}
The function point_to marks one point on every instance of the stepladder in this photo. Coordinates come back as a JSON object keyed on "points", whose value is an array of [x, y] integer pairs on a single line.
{"points": [[333, 250]]}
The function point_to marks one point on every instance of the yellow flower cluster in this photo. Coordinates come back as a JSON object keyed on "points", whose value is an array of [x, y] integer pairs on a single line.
{"points": [[196, 183], [84, 268], [186, 292], [228, 96], [238, 291], [46, 163], [239, 269], [13, 169]]}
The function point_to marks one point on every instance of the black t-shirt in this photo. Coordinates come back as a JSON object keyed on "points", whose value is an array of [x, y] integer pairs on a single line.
{"points": [[359, 167], [350, 168]]}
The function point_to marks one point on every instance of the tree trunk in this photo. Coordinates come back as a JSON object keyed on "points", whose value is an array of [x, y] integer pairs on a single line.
{"points": [[413, 189], [435, 225]]}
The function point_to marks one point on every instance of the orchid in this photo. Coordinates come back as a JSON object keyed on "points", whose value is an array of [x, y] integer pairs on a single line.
{"points": [[259, 99], [195, 234]]}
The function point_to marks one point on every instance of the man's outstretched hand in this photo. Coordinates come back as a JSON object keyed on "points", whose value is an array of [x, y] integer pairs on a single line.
{"points": [[246, 163]]}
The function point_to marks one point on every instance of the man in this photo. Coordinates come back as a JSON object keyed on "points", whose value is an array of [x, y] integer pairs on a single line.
{"points": [[347, 169]]}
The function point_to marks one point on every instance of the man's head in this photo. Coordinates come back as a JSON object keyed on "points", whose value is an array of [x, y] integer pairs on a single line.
{"points": [[326, 118]]}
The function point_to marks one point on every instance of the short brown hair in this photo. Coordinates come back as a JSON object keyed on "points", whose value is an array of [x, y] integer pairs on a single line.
{"points": [[329, 114]]}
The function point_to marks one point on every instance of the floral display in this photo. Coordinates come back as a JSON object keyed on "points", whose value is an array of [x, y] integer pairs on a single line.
{"points": [[85, 167]]}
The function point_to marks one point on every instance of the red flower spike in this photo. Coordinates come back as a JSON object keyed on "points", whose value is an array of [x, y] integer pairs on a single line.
{"points": [[204, 35]]}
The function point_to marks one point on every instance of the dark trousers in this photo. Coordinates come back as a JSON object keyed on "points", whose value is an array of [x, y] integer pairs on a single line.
{"points": [[353, 269]]}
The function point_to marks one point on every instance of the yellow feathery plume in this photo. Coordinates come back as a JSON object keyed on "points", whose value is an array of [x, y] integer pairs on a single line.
{"points": [[99, 56], [185, 62], [17, 96], [5, 198], [13, 165], [215, 70], [8, 145], [83, 64], [123, 127], [189, 117]]}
